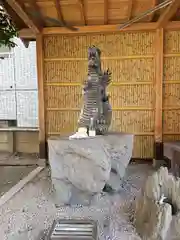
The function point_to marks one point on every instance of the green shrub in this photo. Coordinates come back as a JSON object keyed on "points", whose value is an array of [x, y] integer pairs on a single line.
{"points": [[7, 29]]}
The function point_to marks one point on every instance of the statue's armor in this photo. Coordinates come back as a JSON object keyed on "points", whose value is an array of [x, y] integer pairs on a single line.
{"points": [[96, 103]]}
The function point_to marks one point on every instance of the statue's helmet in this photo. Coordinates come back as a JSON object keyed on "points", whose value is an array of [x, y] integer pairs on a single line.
{"points": [[94, 56]]}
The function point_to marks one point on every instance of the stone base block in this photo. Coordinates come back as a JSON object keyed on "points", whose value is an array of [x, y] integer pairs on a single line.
{"points": [[62, 192], [80, 168], [66, 194]]}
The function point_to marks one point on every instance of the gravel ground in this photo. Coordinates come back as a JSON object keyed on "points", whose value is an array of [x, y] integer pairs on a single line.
{"points": [[31, 212]]}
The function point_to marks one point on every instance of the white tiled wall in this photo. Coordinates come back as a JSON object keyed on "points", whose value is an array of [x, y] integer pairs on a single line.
{"points": [[27, 108], [18, 86], [25, 66], [7, 73], [7, 105]]}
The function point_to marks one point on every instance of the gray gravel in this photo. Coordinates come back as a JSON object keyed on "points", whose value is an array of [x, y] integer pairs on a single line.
{"points": [[31, 212]]}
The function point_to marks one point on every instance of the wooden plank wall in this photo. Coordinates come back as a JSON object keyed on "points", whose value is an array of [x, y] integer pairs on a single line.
{"points": [[171, 96], [130, 57]]}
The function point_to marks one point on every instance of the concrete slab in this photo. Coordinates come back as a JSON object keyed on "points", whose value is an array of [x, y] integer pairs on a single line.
{"points": [[9, 176]]}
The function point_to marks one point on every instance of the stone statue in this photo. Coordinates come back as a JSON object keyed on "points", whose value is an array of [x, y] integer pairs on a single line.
{"points": [[83, 164], [96, 107]]}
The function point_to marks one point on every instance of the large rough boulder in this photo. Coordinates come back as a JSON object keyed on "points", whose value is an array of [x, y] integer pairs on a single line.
{"points": [[158, 206], [80, 168], [82, 164]]}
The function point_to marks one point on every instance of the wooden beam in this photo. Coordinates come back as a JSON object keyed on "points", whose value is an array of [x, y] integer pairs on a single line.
{"points": [[168, 13], [100, 28], [83, 12], [130, 5], [59, 11], [35, 8], [105, 12], [159, 83], [40, 71], [175, 25], [19, 8], [26, 33], [159, 91], [154, 3]]}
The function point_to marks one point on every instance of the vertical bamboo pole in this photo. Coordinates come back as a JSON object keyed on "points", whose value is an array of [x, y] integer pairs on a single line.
{"points": [[158, 148], [40, 73]]}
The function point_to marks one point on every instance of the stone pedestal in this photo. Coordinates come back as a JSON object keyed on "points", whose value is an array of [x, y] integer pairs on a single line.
{"points": [[80, 168]]}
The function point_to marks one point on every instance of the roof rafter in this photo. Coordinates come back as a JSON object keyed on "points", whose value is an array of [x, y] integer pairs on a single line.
{"points": [[168, 13], [155, 2], [61, 22], [83, 12], [130, 5], [59, 11], [105, 11], [19, 8], [36, 9]]}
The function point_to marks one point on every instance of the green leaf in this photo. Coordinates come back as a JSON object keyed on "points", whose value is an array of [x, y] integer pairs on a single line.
{"points": [[7, 29]]}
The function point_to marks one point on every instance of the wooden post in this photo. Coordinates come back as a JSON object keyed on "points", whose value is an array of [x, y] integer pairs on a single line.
{"points": [[40, 73], [158, 146]]}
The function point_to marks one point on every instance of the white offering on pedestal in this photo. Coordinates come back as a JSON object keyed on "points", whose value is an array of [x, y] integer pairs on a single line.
{"points": [[92, 133], [81, 133]]}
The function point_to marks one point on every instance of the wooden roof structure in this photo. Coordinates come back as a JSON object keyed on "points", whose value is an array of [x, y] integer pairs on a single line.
{"points": [[34, 16]]}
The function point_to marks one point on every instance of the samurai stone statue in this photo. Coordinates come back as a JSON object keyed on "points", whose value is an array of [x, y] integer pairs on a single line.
{"points": [[96, 104]]}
